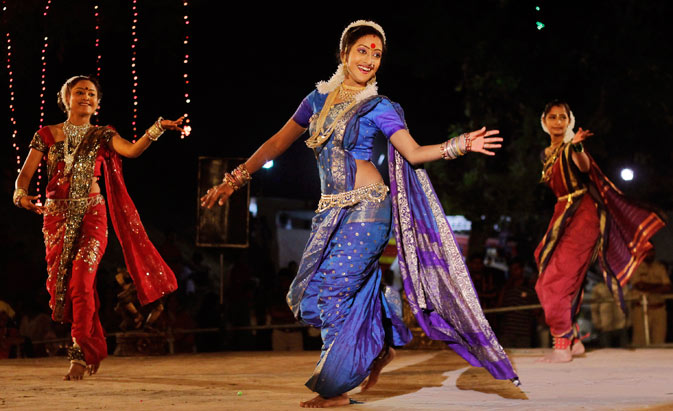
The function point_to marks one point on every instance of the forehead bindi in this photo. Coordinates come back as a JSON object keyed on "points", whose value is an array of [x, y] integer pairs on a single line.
{"points": [[370, 41]]}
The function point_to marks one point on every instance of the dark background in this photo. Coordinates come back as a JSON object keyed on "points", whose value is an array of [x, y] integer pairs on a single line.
{"points": [[453, 66]]}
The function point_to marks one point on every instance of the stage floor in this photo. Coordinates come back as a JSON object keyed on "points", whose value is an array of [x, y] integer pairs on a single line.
{"points": [[428, 380]]}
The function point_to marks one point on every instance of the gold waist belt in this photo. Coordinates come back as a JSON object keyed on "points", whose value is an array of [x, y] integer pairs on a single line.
{"points": [[570, 197], [61, 205], [372, 193]]}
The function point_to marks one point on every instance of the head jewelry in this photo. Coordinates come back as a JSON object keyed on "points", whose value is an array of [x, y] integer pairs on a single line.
{"points": [[359, 23]]}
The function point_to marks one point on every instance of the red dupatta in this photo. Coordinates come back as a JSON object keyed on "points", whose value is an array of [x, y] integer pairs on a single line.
{"points": [[150, 273]]}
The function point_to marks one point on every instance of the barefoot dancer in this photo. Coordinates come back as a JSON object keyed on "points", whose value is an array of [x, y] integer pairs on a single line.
{"points": [[338, 285], [591, 220], [75, 219]]}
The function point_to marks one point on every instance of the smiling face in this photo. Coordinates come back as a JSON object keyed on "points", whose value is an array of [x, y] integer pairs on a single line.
{"points": [[362, 60], [557, 121], [82, 98]]}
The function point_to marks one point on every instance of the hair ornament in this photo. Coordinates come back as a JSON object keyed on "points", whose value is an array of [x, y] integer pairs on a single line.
{"points": [[358, 23]]}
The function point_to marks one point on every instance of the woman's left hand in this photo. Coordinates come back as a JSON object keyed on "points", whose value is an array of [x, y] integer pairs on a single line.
{"points": [[581, 135], [173, 124], [485, 140]]}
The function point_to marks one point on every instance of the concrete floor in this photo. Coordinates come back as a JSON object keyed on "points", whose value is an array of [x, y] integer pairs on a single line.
{"points": [[605, 379]]}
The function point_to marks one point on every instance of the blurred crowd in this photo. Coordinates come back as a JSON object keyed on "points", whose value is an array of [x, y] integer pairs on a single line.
{"points": [[252, 313]]}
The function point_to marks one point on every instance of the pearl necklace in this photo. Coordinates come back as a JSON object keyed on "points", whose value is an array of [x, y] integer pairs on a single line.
{"points": [[74, 135]]}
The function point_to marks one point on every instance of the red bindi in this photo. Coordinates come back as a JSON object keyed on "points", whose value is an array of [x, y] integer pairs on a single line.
{"points": [[373, 45]]}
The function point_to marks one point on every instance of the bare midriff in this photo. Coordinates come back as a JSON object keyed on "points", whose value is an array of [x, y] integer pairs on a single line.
{"points": [[366, 174]]}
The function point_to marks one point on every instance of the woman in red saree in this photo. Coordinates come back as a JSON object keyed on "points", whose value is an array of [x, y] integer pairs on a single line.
{"points": [[592, 220], [75, 218]]}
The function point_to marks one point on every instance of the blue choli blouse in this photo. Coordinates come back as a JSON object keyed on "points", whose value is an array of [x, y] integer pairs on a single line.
{"points": [[382, 119]]}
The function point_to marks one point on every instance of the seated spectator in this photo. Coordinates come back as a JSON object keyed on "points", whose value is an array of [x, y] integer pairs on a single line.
{"points": [[517, 327], [9, 333]]}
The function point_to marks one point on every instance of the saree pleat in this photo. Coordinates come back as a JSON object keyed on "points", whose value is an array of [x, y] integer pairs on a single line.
{"points": [[338, 285]]}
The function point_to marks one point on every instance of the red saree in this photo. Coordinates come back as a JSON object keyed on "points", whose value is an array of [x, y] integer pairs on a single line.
{"points": [[75, 232], [592, 220]]}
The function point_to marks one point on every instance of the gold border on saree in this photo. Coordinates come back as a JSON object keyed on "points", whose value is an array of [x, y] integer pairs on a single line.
{"points": [[61, 205], [374, 193], [571, 196]]}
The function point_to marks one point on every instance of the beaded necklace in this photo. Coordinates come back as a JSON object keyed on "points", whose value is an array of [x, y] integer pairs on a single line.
{"points": [[74, 135]]}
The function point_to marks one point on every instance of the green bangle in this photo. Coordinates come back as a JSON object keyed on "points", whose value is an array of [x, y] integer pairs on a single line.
{"points": [[578, 147]]}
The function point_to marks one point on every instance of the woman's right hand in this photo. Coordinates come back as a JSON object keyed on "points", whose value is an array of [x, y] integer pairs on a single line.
{"points": [[27, 203], [219, 193]]}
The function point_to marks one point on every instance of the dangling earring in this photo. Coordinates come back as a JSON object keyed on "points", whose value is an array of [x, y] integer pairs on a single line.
{"points": [[345, 68]]}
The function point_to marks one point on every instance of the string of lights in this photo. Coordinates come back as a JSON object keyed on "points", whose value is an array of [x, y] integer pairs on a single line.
{"points": [[134, 72], [187, 87], [43, 92], [99, 55], [12, 109]]}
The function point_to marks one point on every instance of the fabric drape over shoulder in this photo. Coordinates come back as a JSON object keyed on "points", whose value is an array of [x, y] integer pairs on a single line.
{"points": [[436, 281]]}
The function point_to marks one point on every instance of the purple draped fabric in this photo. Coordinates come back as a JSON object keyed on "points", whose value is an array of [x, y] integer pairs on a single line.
{"points": [[436, 281]]}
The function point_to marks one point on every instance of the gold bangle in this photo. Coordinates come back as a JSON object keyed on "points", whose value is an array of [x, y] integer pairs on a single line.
{"points": [[155, 131], [19, 193]]}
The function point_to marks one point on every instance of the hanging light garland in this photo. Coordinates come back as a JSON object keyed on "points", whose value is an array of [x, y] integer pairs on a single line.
{"points": [[12, 112], [99, 55], [187, 127], [43, 94], [134, 72]]}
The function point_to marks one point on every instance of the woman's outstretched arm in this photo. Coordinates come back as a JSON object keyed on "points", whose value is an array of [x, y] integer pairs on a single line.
{"points": [[272, 148], [483, 141], [580, 157], [125, 148]]}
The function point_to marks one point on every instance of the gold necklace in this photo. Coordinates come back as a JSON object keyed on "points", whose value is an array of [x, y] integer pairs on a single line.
{"points": [[320, 136], [74, 135], [347, 93], [549, 163]]}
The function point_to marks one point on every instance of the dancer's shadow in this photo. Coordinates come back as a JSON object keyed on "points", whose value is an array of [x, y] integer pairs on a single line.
{"points": [[478, 379], [431, 373], [409, 379]]}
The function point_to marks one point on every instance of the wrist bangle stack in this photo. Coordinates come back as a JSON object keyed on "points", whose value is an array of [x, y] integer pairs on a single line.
{"points": [[468, 142], [455, 147], [578, 147], [19, 193], [237, 178], [154, 132]]}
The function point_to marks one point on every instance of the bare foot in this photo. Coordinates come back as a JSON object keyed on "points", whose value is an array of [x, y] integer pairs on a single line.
{"points": [[76, 372], [577, 348], [92, 368], [321, 402], [378, 365], [557, 356]]}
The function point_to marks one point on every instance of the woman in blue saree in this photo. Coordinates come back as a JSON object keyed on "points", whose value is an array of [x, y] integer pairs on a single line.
{"points": [[338, 286]]}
